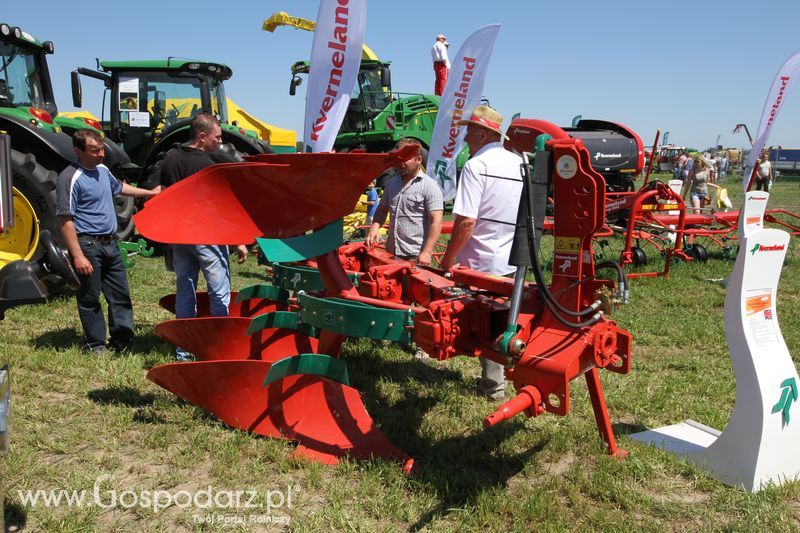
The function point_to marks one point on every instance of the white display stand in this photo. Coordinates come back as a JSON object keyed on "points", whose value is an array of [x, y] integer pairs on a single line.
{"points": [[761, 444]]}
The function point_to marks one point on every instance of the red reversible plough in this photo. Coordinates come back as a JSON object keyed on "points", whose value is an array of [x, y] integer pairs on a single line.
{"points": [[273, 367]]}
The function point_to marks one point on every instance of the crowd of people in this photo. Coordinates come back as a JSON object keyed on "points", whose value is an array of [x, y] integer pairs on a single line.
{"points": [[717, 165], [704, 170]]}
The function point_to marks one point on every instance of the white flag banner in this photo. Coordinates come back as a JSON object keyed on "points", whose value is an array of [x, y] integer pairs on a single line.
{"points": [[335, 61], [777, 96], [461, 95]]}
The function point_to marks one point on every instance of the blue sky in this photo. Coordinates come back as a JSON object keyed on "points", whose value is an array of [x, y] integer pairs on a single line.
{"points": [[694, 69]]}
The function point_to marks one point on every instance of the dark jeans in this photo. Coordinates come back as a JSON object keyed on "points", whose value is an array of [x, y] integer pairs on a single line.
{"points": [[109, 277], [762, 184]]}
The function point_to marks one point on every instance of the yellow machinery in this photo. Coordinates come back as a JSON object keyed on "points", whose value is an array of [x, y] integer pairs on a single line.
{"points": [[20, 240], [274, 135], [283, 19]]}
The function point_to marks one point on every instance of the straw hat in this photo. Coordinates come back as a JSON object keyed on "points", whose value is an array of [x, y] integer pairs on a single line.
{"points": [[486, 117]]}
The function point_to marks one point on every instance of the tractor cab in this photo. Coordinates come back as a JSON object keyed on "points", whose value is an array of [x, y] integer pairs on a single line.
{"points": [[378, 117], [372, 93], [26, 93], [151, 99], [153, 102]]}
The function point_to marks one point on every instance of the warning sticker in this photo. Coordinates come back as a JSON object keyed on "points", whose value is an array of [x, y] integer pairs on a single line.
{"points": [[567, 244]]}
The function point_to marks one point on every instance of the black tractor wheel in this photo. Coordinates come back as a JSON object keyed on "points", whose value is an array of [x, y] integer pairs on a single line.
{"points": [[151, 178], [698, 251], [638, 256], [38, 185], [125, 207]]}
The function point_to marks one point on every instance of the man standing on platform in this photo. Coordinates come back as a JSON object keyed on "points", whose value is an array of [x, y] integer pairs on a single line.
{"points": [[441, 64]]}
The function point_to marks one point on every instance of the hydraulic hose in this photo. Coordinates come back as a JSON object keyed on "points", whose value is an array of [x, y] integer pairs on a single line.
{"points": [[622, 278], [550, 301]]}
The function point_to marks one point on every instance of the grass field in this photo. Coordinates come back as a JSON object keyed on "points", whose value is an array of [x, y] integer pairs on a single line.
{"points": [[86, 423]]}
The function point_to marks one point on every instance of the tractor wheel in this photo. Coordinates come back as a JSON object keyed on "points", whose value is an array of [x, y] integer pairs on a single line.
{"points": [[20, 241], [124, 206], [152, 174], [699, 252], [227, 153], [38, 185], [638, 256]]}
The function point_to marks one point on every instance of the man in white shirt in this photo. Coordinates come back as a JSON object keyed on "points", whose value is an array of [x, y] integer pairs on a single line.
{"points": [[485, 208], [765, 176], [441, 64]]}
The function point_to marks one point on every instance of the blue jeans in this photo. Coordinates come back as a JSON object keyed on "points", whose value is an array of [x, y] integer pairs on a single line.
{"points": [[188, 261], [108, 277]]}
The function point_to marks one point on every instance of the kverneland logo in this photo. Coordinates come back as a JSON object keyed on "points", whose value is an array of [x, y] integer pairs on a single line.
{"points": [[337, 57], [601, 155], [777, 104], [462, 90], [767, 248]]}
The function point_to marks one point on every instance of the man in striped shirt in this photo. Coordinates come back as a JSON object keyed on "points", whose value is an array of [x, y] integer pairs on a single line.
{"points": [[414, 201]]}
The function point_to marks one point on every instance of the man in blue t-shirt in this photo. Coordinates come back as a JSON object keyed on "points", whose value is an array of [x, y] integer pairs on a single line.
{"points": [[85, 210], [371, 203]]}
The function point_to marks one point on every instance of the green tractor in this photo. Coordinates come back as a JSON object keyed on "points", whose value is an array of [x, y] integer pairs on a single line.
{"points": [[151, 105], [377, 117], [40, 144]]}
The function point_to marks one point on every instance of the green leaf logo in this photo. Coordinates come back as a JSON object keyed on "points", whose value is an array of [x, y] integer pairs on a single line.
{"points": [[788, 395], [755, 249], [441, 172]]}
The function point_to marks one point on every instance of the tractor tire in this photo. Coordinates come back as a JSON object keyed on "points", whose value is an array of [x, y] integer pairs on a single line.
{"points": [[227, 153], [151, 178], [38, 185], [125, 208]]}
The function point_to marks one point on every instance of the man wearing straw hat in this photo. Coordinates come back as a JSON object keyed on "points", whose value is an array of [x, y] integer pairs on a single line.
{"points": [[441, 64], [486, 211]]}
